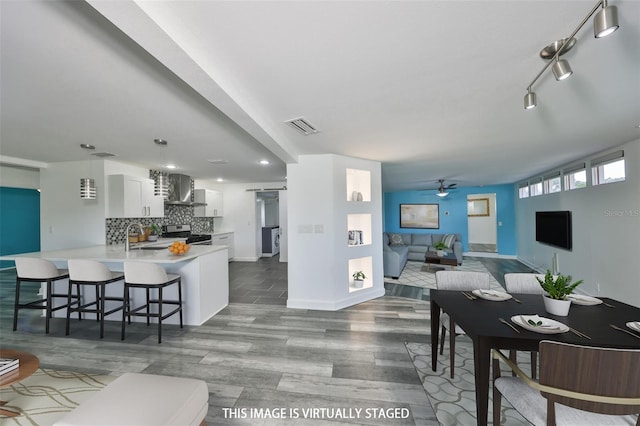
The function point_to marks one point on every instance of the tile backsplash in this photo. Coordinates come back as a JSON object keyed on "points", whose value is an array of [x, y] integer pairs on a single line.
{"points": [[174, 215]]}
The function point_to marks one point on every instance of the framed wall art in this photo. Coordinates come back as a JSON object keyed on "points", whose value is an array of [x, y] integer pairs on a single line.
{"points": [[478, 207], [423, 216]]}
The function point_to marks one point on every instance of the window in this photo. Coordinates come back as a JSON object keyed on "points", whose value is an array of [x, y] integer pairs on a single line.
{"points": [[608, 169], [575, 177], [523, 190], [552, 183], [536, 187]]}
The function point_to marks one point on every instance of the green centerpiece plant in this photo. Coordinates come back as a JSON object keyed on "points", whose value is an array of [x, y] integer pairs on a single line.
{"points": [[557, 289], [441, 248], [560, 287]]}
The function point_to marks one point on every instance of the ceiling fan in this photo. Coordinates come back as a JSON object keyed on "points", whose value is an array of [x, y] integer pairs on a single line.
{"points": [[442, 190]]}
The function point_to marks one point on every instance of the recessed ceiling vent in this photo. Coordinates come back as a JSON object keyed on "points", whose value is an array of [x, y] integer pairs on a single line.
{"points": [[104, 154], [302, 126], [218, 161]]}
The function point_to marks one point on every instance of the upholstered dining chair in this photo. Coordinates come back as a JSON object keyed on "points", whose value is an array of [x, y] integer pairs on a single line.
{"points": [[463, 281], [528, 284], [582, 385]]}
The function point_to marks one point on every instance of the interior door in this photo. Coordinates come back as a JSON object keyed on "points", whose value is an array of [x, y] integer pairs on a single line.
{"points": [[482, 223]]}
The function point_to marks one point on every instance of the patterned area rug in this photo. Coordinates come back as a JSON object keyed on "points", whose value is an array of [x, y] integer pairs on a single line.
{"points": [[453, 400], [416, 273], [44, 397]]}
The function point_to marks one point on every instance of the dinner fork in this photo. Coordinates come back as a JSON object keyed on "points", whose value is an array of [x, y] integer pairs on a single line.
{"points": [[469, 295], [502, 320], [579, 333], [626, 331]]}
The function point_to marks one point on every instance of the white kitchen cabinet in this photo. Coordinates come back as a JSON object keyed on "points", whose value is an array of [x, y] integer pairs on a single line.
{"points": [[132, 196], [225, 239], [213, 200]]}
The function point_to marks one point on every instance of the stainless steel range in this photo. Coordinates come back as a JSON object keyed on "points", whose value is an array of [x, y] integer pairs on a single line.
{"points": [[184, 231]]}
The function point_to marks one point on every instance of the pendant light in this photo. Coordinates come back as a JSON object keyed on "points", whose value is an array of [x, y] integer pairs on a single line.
{"points": [[88, 189], [161, 179]]}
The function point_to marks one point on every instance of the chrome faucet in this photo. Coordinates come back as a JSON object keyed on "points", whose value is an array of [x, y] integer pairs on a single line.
{"points": [[127, 245]]}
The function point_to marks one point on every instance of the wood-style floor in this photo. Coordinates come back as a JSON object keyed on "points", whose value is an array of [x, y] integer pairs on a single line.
{"points": [[256, 353]]}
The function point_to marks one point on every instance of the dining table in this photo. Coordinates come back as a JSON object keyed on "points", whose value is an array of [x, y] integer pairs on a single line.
{"points": [[484, 323]]}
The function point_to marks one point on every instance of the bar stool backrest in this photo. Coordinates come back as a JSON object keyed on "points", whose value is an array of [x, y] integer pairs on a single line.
{"points": [[88, 270], [144, 273], [34, 267]]}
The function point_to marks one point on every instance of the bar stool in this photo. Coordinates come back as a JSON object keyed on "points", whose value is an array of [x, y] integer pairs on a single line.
{"points": [[149, 276], [34, 269], [92, 273]]}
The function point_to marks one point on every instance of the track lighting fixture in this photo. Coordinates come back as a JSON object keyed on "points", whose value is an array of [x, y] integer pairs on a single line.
{"points": [[561, 69], [530, 100], [604, 23]]}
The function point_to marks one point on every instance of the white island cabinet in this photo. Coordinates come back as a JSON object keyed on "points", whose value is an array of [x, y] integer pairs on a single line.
{"points": [[204, 271]]}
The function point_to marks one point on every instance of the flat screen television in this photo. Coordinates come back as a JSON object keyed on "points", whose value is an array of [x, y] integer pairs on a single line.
{"points": [[554, 229]]}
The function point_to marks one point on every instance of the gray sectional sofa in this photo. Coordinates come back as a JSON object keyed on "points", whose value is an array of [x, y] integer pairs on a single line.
{"points": [[413, 247]]}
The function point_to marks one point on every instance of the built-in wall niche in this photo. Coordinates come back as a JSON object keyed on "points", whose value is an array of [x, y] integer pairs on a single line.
{"points": [[359, 229], [365, 265], [358, 185]]}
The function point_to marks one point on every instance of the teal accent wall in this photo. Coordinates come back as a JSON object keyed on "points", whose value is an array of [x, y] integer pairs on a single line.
{"points": [[456, 221], [19, 222]]}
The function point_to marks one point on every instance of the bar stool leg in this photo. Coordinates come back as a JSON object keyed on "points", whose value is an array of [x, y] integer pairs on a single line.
{"points": [[48, 302], [148, 305], [125, 309], [16, 304], [159, 315], [69, 294], [180, 299], [100, 312]]}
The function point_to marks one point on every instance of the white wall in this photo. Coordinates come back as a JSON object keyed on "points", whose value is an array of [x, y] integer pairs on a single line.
{"points": [[241, 218], [19, 177], [606, 233], [319, 256], [67, 221]]}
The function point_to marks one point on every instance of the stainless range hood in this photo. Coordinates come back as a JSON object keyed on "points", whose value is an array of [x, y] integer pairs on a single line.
{"points": [[181, 191]]}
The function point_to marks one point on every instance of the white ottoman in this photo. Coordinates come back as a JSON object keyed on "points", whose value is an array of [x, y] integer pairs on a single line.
{"points": [[143, 400]]}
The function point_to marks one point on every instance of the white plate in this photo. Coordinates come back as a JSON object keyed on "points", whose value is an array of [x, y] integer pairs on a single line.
{"points": [[496, 296], [548, 326], [634, 325], [580, 299]]}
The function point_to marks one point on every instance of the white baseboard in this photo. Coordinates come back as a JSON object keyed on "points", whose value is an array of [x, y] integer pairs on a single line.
{"points": [[245, 259], [493, 255], [532, 266]]}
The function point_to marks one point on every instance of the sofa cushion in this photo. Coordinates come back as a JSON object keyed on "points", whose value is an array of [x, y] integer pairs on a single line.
{"points": [[396, 240], [385, 239], [420, 239], [449, 239]]}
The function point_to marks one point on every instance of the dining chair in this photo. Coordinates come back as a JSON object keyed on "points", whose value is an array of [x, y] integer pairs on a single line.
{"points": [[462, 281], [528, 284], [150, 276], [582, 385], [35, 269]]}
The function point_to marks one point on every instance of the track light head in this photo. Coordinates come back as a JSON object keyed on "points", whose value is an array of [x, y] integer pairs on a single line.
{"points": [[530, 100], [606, 21], [561, 69]]}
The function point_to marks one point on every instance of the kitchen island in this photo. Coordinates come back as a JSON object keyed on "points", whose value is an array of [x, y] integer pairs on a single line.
{"points": [[204, 270]]}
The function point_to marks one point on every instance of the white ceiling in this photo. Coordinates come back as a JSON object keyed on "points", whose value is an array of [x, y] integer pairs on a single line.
{"points": [[432, 89]]}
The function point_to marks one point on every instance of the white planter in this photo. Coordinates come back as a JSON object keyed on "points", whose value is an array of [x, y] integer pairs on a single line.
{"points": [[556, 307], [441, 252], [358, 283]]}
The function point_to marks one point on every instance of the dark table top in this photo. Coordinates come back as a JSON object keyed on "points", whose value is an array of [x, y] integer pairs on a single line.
{"points": [[480, 318]]}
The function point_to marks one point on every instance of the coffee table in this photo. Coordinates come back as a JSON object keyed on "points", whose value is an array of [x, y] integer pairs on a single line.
{"points": [[29, 363], [432, 258]]}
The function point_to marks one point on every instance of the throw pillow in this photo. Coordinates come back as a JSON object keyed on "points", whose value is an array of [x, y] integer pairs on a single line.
{"points": [[395, 240], [448, 240]]}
